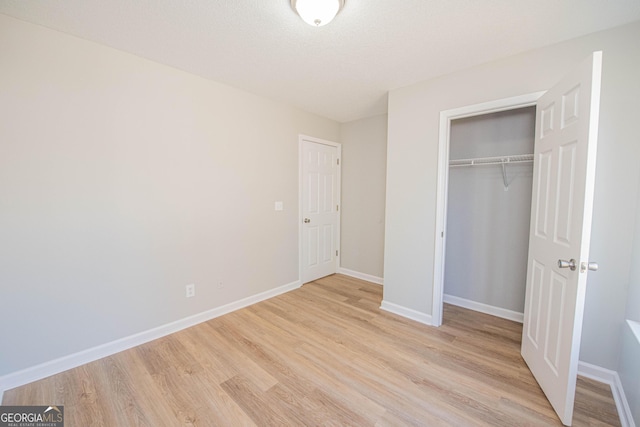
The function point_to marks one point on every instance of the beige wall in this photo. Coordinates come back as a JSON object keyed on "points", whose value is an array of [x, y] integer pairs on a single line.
{"points": [[364, 158], [122, 181], [412, 171]]}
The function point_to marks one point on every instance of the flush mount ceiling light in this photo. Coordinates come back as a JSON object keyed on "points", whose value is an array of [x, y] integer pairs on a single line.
{"points": [[317, 12]]}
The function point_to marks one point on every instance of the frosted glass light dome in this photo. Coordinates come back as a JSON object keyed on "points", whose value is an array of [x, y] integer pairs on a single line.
{"points": [[317, 12]]}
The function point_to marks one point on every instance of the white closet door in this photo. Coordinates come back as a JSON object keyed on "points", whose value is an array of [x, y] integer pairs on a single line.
{"points": [[563, 182]]}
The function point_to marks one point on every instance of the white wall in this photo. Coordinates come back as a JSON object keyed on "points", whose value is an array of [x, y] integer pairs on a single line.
{"points": [[364, 157], [412, 172], [487, 225], [629, 366], [629, 371], [633, 292], [122, 181]]}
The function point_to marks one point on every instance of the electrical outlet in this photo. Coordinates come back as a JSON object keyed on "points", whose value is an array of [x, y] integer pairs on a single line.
{"points": [[191, 290]]}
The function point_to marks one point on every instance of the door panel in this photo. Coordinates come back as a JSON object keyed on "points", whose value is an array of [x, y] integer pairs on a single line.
{"points": [[534, 304], [562, 200]]}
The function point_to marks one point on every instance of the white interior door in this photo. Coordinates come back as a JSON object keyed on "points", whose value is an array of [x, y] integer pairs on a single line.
{"points": [[562, 199], [320, 209]]}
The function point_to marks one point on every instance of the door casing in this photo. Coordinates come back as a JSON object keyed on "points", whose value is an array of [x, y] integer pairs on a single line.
{"points": [[446, 117]]}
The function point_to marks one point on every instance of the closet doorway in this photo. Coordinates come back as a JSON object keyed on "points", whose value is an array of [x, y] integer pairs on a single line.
{"points": [[483, 207], [488, 211]]}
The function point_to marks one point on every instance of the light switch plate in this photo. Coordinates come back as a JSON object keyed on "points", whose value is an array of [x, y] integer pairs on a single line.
{"points": [[279, 206]]}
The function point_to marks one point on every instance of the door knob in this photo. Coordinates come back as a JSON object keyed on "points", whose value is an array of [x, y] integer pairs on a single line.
{"points": [[591, 266], [571, 264], [307, 220]]}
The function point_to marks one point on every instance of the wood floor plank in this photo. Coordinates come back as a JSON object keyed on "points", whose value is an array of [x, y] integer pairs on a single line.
{"points": [[256, 403], [324, 354]]}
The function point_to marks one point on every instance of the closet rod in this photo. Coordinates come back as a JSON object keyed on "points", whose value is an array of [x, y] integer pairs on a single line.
{"points": [[498, 160]]}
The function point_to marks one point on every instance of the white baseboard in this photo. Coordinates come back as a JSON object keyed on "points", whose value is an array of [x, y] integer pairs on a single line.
{"points": [[409, 313], [610, 377], [362, 276], [484, 308], [38, 372]]}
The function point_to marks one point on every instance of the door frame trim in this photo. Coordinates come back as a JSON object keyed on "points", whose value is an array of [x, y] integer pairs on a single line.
{"points": [[301, 139], [446, 117]]}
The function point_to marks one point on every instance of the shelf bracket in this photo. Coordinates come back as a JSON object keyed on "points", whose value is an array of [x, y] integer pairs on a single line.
{"points": [[504, 175]]}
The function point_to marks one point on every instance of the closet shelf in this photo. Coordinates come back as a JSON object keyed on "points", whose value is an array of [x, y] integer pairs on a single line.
{"points": [[498, 160]]}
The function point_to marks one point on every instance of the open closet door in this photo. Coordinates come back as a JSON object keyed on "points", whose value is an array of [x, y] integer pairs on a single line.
{"points": [[559, 236]]}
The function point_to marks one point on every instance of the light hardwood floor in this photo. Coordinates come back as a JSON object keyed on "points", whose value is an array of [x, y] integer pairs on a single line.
{"points": [[324, 354]]}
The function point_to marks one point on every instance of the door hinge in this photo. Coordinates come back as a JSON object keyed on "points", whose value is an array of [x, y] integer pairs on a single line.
{"points": [[338, 162], [337, 208], [336, 252]]}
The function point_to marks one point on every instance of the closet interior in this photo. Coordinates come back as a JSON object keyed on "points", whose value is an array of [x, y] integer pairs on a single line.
{"points": [[488, 211]]}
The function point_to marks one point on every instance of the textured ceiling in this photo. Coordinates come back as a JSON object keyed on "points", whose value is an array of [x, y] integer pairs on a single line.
{"points": [[343, 70]]}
